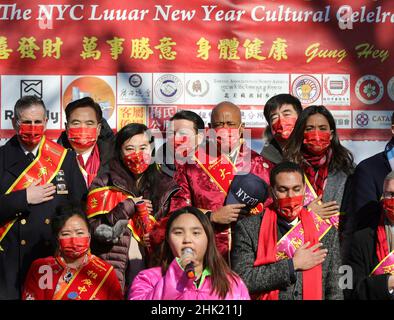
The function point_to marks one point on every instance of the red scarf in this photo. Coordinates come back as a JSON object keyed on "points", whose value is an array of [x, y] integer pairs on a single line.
{"points": [[266, 254], [92, 165], [316, 169], [382, 248]]}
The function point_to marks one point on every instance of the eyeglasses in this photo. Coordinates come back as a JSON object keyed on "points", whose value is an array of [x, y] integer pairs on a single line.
{"points": [[388, 195]]}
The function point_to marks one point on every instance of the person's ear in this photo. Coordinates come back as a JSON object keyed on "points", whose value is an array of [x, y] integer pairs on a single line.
{"points": [[45, 123], [271, 193], [392, 129], [14, 124], [98, 130], [200, 138], [241, 128], [331, 134], [304, 189]]}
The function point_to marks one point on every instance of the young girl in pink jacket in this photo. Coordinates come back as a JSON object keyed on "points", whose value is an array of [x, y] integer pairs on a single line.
{"points": [[192, 268]]}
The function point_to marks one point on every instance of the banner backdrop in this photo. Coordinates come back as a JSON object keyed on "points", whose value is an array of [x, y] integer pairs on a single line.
{"points": [[144, 60]]}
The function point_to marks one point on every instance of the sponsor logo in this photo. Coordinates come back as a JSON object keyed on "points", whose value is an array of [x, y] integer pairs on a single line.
{"points": [[362, 119], [89, 86], [336, 89], [369, 89], [197, 88], [31, 88], [343, 119], [390, 88], [368, 119], [135, 80], [168, 88], [307, 88]]}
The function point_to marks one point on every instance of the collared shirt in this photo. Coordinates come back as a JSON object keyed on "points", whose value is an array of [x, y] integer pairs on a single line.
{"points": [[198, 282], [34, 151], [86, 155], [233, 155]]}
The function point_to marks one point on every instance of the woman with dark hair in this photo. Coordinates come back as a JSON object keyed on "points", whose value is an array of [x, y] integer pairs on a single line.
{"points": [[73, 273], [120, 235], [314, 144], [191, 268], [281, 113]]}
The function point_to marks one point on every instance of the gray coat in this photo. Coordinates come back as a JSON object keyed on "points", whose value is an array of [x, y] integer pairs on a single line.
{"points": [[336, 180], [335, 187], [277, 275]]}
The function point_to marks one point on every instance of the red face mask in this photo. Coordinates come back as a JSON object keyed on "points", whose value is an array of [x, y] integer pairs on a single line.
{"points": [[388, 206], [316, 141], [290, 207], [82, 138], [228, 137], [283, 128], [182, 146], [137, 162], [31, 134], [74, 247]]}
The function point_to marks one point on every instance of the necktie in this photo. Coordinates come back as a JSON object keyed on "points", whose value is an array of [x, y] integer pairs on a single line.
{"points": [[80, 160], [31, 156]]}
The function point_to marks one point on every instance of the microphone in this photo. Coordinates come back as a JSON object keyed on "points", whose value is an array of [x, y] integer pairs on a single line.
{"points": [[189, 269]]}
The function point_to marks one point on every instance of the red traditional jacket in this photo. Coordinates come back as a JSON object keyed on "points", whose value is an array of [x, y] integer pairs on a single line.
{"points": [[96, 280], [199, 190]]}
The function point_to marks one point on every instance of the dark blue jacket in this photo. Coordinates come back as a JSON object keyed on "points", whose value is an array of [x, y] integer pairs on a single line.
{"points": [[31, 236]]}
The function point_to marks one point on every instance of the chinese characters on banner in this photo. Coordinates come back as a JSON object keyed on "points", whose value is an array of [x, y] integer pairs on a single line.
{"points": [[143, 62]]}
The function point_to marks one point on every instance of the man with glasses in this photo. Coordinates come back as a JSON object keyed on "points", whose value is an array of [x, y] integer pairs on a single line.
{"points": [[372, 253], [205, 182], [37, 175]]}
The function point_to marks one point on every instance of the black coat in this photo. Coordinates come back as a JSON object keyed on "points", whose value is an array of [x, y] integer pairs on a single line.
{"points": [[31, 236], [105, 144], [365, 189], [363, 259]]}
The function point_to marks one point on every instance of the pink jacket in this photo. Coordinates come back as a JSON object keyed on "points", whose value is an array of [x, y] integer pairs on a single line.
{"points": [[150, 284]]}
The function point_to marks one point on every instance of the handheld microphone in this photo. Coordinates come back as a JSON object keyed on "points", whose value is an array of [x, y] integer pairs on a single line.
{"points": [[189, 269]]}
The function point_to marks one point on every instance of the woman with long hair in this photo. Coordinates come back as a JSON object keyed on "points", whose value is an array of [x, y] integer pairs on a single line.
{"points": [[73, 273], [314, 144], [191, 268], [124, 202]]}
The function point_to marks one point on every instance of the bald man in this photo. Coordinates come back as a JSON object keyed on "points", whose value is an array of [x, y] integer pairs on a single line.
{"points": [[205, 186]]}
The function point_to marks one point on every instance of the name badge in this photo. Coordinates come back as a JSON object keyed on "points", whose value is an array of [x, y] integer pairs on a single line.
{"points": [[61, 187]]}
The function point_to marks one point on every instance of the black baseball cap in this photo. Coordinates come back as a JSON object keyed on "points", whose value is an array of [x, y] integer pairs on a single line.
{"points": [[247, 189]]}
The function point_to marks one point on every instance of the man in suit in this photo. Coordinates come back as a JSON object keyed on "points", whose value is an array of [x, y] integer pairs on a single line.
{"points": [[366, 188], [89, 135], [37, 175], [287, 252], [369, 256]]}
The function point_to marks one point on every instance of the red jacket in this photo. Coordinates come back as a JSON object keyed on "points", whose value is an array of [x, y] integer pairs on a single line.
{"points": [[44, 275], [198, 190]]}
